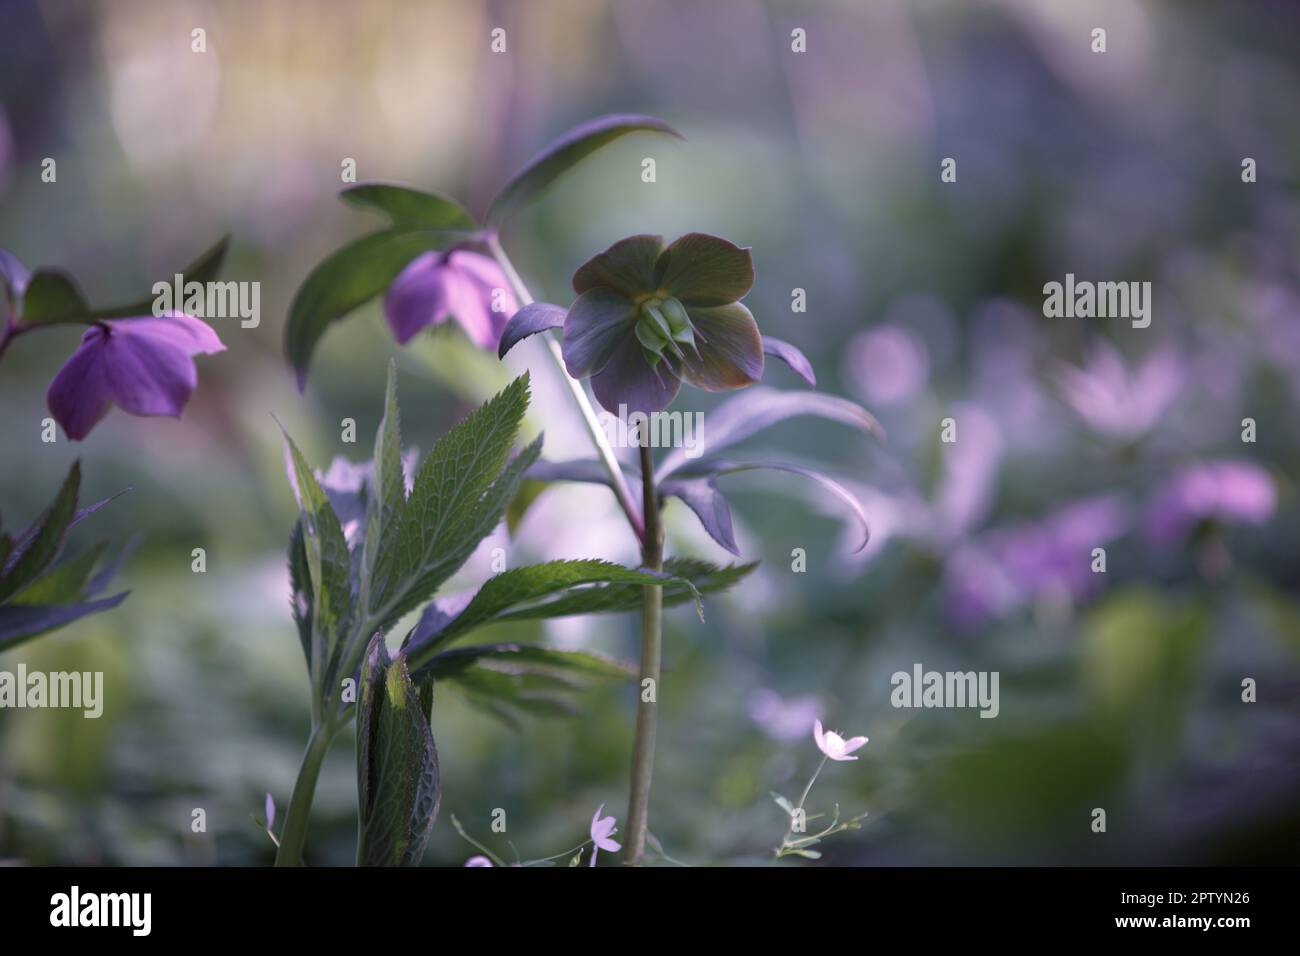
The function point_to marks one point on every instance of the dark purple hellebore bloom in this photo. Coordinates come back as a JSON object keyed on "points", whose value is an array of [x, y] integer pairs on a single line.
{"points": [[145, 366], [647, 317], [436, 286]]}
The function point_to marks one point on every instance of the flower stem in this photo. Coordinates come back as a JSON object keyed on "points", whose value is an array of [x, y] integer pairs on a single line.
{"points": [[294, 834], [652, 598], [617, 480]]}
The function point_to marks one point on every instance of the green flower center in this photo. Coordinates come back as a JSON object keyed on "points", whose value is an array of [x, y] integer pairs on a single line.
{"points": [[662, 323]]}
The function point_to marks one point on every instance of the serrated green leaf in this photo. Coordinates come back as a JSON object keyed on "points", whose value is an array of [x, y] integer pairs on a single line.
{"points": [[301, 597], [348, 278], [52, 298], [512, 594], [46, 539], [685, 580], [405, 206], [459, 494], [564, 153], [328, 565], [535, 658], [386, 507], [398, 789]]}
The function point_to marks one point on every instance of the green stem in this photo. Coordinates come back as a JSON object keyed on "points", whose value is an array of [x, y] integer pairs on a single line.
{"points": [[652, 598], [617, 480], [294, 834]]}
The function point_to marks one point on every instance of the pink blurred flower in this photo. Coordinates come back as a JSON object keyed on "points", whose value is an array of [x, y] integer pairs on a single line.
{"points": [[460, 285], [478, 861], [601, 830], [833, 745], [888, 364], [1115, 402], [1231, 492]]}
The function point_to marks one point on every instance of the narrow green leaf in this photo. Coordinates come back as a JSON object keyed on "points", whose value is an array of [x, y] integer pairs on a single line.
{"points": [[684, 580], [410, 207], [204, 269], [22, 622], [47, 539], [515, 593], [52, 297], [564, 153], [387, 504], [349, 278], [65, 582]]}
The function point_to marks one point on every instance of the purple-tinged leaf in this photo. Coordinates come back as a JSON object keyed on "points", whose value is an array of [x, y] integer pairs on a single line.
{"points": [[531, 319], [713, 469], [702, 496], [564, 153], [758, 408], [270, 812], [20, 622], [791, 356], [37, 547]]}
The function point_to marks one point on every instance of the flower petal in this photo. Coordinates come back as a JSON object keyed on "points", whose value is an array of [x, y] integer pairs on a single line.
{"points": [[705, 270], [175, 329], [597, 323], [494, 301], [819, 736], [628, 266], [470, 303], [531, 319], [854, 743], [730, 346], [147, 373], [417, 297], [78, 396], [628, 380]]}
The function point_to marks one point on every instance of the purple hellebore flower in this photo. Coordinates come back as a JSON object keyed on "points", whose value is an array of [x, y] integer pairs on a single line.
{"points": [[601, 830], [1232, 492], [144, 365], [1007, 568], [648, 316], [1115, 402], [436, 286]]}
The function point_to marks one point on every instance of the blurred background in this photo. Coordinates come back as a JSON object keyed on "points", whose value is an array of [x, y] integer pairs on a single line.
{"points": [[1120, 690]]}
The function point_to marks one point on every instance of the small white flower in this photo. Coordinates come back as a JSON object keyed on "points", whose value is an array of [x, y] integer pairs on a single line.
{"points": [[833, 745], [478, 861]]}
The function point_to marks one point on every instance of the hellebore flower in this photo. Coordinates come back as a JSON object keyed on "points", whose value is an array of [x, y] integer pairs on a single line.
{"points": [[478, 861], [601, 829], [647, 317], [459, 284], [833, 745], [1230, 492], [1116, 402], [145, 366]]}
